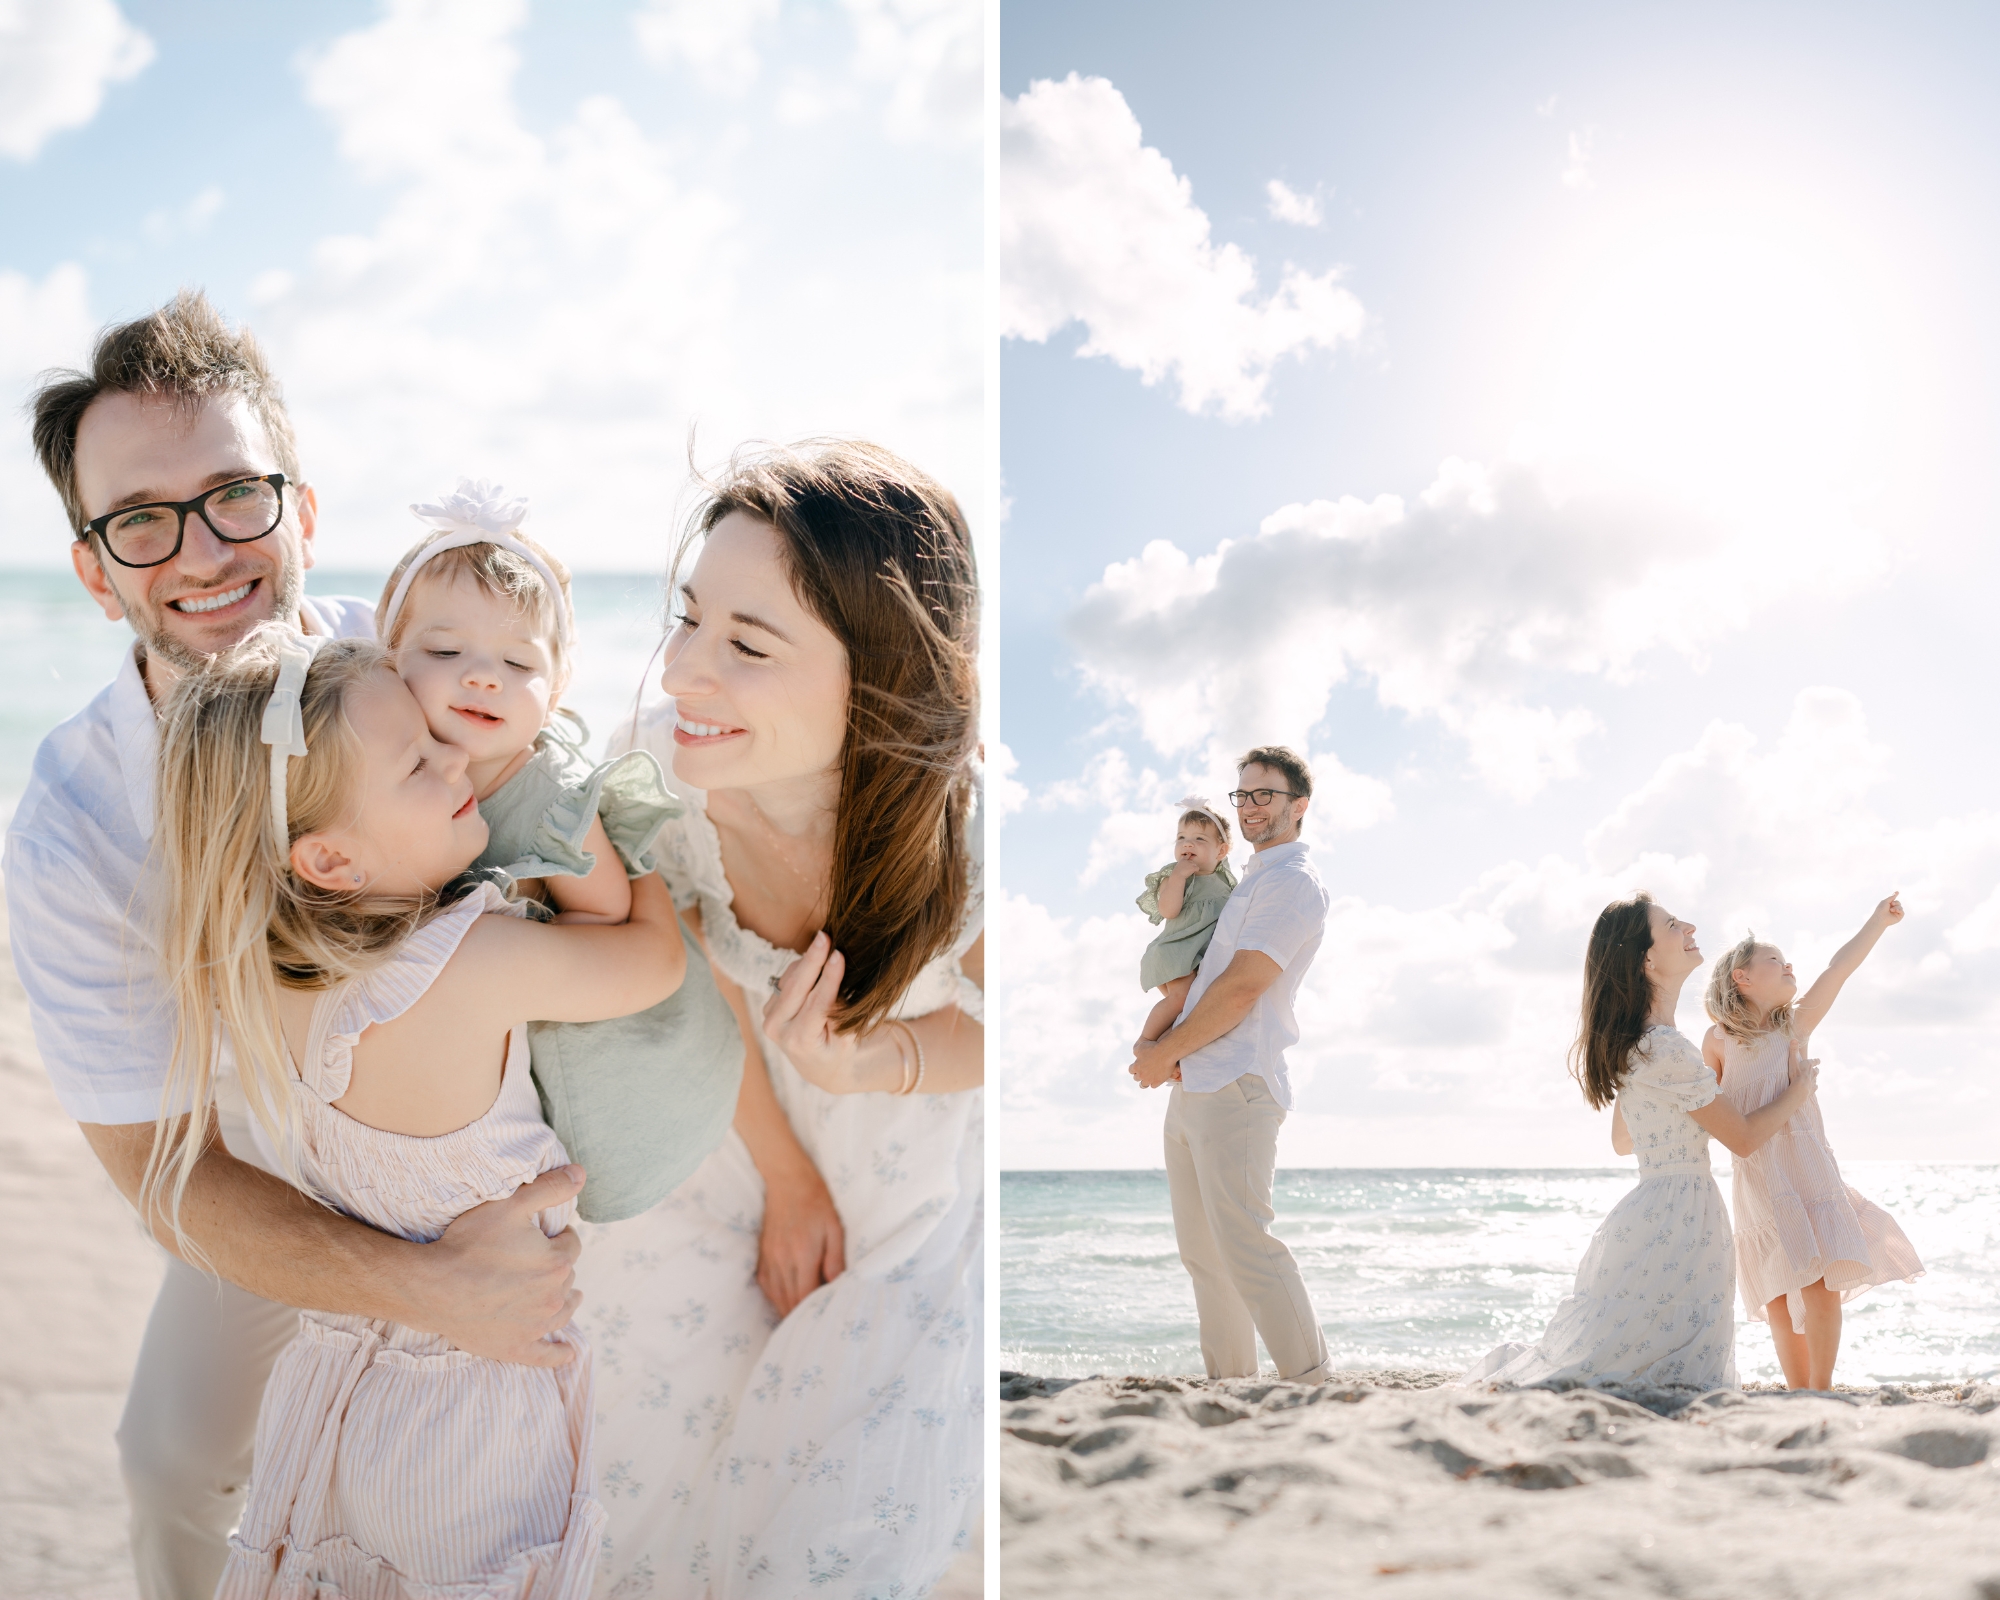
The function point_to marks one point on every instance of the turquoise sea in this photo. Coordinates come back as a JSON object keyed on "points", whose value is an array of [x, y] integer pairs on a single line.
{"points": [[57, 650], [1432, 1268]]}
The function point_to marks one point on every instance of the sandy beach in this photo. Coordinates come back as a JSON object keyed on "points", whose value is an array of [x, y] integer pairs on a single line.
{"points": [[1395, 1483]]}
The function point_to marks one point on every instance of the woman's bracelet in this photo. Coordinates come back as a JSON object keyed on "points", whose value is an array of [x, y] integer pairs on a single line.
{"points": [[902, 1062], [917, 1045]]}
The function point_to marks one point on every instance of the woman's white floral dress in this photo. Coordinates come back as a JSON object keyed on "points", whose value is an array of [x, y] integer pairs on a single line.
{"points": [[837, 1452], [1654, 1297]]}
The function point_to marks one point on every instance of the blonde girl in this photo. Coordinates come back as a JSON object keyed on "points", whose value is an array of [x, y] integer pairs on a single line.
{"points": [[323, 939], [1805, 1241]]}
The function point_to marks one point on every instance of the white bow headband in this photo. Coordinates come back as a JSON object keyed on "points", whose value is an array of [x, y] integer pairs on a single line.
{"points": [[475, 512], [285, 723], [1195, 802]]}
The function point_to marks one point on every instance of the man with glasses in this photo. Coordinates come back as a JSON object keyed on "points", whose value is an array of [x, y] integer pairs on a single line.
{"points": [[1225, 1056], [175, 463]]}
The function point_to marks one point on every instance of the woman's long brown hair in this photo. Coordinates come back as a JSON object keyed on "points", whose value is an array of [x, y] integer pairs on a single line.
{"points": [[880, 554], [1617, 998]]}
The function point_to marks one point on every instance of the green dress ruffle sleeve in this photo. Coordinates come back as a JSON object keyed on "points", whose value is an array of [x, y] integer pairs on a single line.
{"points": [[638, 1101], [1177, 948], [538, 819]]}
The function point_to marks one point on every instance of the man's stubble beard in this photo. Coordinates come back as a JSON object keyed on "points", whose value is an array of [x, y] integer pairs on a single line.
{"points": [[161, 645]]}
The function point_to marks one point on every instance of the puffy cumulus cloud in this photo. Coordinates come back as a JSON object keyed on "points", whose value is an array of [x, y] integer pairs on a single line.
{"points": [[1437, 1035], [44, 323], [57, 57], [1096, 227], [1460, 606], [556, 306], [1288, 205], [718, 43]]}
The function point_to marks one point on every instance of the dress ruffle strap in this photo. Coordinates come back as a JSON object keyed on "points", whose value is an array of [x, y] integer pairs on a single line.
{"points": [[343, 1014]]}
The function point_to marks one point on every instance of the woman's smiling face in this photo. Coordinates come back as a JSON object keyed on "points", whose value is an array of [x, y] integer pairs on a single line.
{"points": [[759, 683]]}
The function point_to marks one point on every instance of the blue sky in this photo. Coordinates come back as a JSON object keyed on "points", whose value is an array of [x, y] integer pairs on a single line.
{"points": [[537, 242], [1667, 331]]}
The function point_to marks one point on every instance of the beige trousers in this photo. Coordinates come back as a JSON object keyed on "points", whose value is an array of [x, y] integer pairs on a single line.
{"points": [[1222, 1149], [190, 1419]]}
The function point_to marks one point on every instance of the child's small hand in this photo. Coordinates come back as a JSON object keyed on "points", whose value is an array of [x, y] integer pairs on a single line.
{"points": [[1890, 911], [1802, 1066], [1183, 867]]}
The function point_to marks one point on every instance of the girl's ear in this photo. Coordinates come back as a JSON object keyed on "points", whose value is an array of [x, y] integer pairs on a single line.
{"points": [[1737, 975], [322, 859]]}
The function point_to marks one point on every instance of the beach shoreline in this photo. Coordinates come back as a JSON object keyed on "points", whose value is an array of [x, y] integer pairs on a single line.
{"points": [[1400, 1482]]}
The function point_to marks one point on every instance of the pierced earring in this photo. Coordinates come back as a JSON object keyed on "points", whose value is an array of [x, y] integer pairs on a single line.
{"points": [[357, 877]]}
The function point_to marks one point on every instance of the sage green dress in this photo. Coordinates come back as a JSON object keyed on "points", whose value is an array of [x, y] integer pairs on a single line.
{"points": [[638, 1101], [1177, 948]]}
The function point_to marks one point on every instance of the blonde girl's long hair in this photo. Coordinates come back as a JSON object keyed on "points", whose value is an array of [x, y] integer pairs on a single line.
{"points": [[235, 921], [1729, 1008]]}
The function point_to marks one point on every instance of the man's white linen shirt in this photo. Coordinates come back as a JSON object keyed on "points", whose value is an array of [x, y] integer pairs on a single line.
{"points": [[75, 866], [1278, 910]]}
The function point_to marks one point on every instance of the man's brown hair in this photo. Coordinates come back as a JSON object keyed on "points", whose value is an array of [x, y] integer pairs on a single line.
{"points": [[185, 352], [1281, 758]]}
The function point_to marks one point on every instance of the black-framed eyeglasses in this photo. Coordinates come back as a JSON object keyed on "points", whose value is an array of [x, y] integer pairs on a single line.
{"points": [[241, 511], [1240, 798]]}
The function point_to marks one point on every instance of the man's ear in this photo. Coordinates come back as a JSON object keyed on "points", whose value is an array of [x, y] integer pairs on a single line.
{"points": [[308, 508], [322, 859], [95, 580]]}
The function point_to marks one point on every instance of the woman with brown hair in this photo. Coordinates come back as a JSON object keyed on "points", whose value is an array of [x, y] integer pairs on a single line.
{"points": [[790, 1370], [1653, 1298]]}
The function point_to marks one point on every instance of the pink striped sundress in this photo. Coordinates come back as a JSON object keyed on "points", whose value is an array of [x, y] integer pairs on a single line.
{"points": [[389, 1464]]}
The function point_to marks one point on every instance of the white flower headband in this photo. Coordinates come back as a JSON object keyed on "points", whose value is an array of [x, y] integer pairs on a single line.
{"points": [[1195, 802], [475, 512], [284, 721]]}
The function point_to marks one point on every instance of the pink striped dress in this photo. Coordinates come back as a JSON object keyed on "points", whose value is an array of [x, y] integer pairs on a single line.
{"points": [[389, 1464]]}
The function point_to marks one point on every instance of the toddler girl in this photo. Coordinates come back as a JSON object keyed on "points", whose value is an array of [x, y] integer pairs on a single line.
{"points": [[480, 621], [321, 928], [1187, 896], [1805, 1241]]}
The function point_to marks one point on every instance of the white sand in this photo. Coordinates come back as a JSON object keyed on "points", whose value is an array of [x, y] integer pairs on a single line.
{"points": [[1390, 1484], [78, 1279]]}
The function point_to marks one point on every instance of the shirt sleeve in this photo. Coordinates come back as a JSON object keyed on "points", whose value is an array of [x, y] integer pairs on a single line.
{"points": [[89, 968], [1282, 918]]}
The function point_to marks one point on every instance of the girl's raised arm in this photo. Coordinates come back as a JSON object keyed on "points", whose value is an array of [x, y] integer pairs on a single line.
{"points": [[523, 971], [1814, 1004]]}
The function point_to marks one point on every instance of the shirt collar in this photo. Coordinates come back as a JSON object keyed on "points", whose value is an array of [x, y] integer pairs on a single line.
{"points": [[135, 724], [1276, 856]]}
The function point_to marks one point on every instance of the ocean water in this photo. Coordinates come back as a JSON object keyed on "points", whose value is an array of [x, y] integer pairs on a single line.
{"points": [[57, 651], [1432, 1268]]}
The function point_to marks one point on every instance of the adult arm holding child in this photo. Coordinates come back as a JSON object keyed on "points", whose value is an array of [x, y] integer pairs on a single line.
{"points": [[1224, 1004], [1744, 1135]]}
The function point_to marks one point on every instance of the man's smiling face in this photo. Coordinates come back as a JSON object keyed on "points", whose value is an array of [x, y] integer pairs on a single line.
{"points": [[132, 449]]}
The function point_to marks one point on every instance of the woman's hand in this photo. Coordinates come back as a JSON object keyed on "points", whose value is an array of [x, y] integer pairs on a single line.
{"points": [[802, 1244], [798, 1019]]}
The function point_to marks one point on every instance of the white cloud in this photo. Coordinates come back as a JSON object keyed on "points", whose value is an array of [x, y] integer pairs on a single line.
{"points": [[717, 42], [43, 324], [1097, 227], [1009, 793], [554, 303], [1576, 175], [928, 55], [1464, 605], [57, 57], [1437, 1035], [1287, 205]]}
